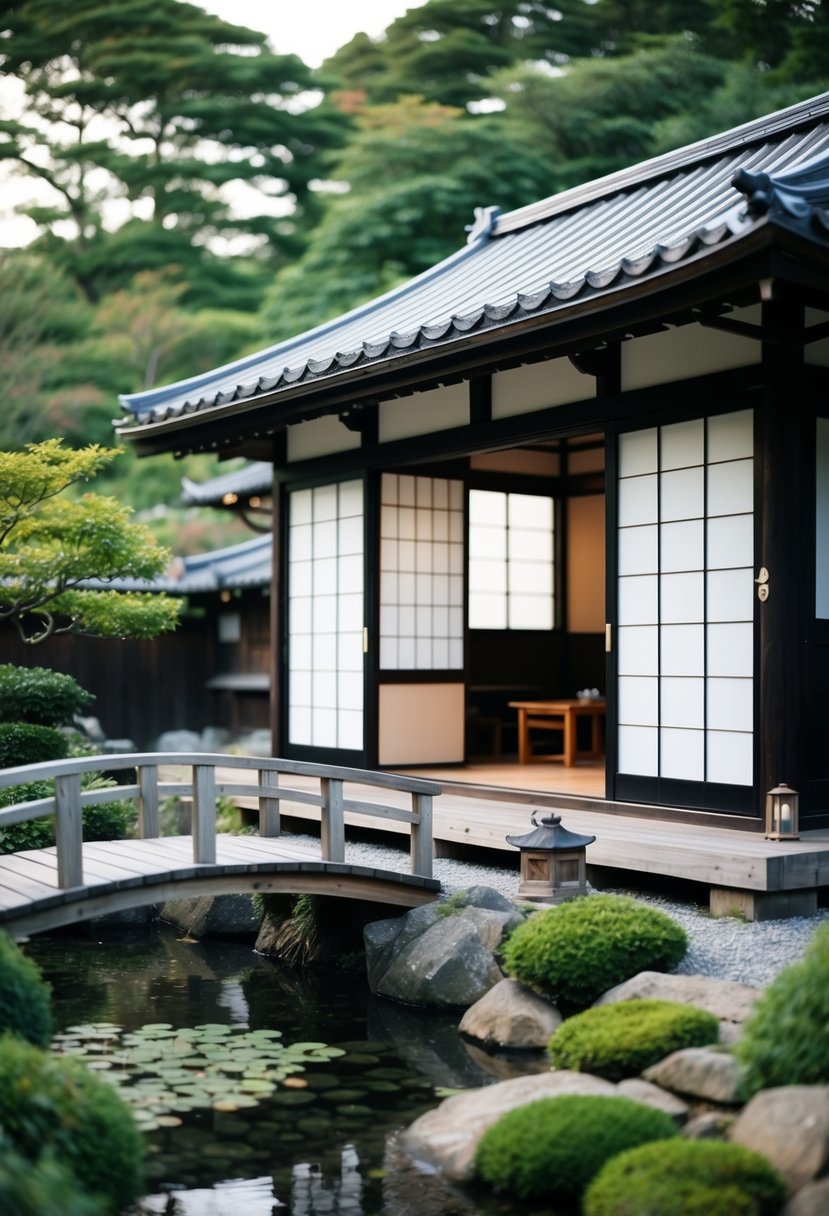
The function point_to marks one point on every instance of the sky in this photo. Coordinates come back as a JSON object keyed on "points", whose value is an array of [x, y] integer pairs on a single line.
{"points": [[311, 29]]}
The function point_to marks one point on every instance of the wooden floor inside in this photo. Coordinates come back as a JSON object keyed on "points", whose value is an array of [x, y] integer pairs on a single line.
{"points": [[586, 779]]}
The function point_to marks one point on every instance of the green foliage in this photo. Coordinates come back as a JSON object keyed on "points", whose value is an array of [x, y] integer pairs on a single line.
{"points": [[25, 743], [686, 1178], [785, 1040], [553, 1147], [49, 547], [622, 1040], [40, 695], [573, 953], [42, 1188], [47, 1103], [105, 821], [24, 997]]}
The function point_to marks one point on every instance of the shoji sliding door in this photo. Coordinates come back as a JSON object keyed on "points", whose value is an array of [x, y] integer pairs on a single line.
{"points": [[685, 601]]}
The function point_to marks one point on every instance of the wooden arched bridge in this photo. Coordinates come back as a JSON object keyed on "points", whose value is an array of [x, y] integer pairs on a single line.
{"points": [[75, 880]]}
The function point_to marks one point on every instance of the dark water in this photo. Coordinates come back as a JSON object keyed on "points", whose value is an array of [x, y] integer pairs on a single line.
{"points": [[326, 1154]]}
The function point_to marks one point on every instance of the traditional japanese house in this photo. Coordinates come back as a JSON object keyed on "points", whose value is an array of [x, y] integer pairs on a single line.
{"points": [[590, 450]]}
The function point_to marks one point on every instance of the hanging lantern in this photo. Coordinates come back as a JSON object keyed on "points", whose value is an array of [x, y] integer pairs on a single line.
{"points": [[553, 861], [782, 813]]}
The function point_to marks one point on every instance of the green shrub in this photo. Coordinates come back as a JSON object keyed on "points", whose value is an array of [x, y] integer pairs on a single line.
{"points": [[37, 694], [35, 833], [554, 1146], [574, 953], [23, 743], [686, 1178], [621, 1040], [107, 820], [42, 1188], [785, 1040], [56, 1104], [24, 997]]}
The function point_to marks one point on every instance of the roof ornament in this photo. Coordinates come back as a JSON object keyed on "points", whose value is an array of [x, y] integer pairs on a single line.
{"points": [[484, 226], [801, 195]]}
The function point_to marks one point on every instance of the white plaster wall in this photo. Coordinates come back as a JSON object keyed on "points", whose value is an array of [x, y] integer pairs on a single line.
{"points": [[421, 723], [320, 437], [682, 353], [438, 409], [537, 386]]}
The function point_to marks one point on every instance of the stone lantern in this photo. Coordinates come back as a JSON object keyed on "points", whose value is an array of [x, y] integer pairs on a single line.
{"points": [[782, 813], [553, 866]]}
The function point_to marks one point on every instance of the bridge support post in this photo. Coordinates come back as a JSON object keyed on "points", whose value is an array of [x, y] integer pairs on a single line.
{"points": [[332, 822], [204, 814], [422, 845], [69, 830], [148, 822], [269, 824]]}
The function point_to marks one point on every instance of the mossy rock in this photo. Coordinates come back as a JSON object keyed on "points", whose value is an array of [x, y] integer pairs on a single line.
{"points": [[553, 1147], [785, 1040], [24, 996], [622, 1040], [573, 953], [686, 1178], [57, 1106]]}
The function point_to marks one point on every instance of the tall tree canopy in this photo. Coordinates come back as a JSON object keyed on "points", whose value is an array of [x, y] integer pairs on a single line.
{"points": [[162, 106]]}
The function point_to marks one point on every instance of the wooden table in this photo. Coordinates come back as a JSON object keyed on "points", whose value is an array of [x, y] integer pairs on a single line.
{"points": [[563, 716]]}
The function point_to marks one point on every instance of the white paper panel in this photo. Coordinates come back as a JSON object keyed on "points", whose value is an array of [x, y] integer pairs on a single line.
{"points": [[488, 612], [682, 702], [681, 494], [637, 453], [731, 595], [682, 444], [731, 487], [682, 598], [324, 727], [531, 612], [325, 503], [638, 600], [638, 750], [682, 650], [682, 754], [637, 501], [730, 704], [638, 550], [531, 511], [730, 757], [638, 701], [731, 436], [299, 726], [682, 546], [731, 650], [350, 729], [730, 541], [487, 508], [638, 648]]}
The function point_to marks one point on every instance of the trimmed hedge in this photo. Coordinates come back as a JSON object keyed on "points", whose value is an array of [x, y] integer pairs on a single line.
{"points": [[686, 1178], [40, 695], [785, 1039], [573, 953], [24, 997], [23, 743], [50, 1104], [554, 1146], [622, 1040]]}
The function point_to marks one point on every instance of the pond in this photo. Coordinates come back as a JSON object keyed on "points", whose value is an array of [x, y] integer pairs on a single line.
{"points": [[316, 1142]]}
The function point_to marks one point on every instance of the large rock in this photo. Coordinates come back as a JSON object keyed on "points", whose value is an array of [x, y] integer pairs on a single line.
{"points": [[440, 954], [789, 1126], [729, 1001], [649, 1094], [179, 741], [213, 916], [699, 1072], [447, 1137], [813, 1200], [509, 1015]]}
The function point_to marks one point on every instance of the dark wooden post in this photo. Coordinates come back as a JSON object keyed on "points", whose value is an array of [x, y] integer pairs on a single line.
{"points": [[275, 661]]}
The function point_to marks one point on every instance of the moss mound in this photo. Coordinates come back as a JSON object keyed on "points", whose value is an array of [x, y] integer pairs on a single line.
{"points": [[574, 953], [785, 1040], [617, 1041], [51, 1105], [24, 996], [553, 1147], [686, 1178]]}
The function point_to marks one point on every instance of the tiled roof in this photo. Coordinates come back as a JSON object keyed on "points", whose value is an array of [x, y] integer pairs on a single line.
{"points": [[254, 479], [531, 262], [244, 565]]}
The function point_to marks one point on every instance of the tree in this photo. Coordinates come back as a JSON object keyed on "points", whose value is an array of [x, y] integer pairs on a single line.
{"points": [[51, 544], [163, 106], [439, 165]]}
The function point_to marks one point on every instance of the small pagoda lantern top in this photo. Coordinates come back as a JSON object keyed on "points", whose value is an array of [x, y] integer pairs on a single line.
{"points": [[553, 865]]}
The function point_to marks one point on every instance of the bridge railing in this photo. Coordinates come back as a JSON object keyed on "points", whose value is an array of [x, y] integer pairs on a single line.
{"points": [[70, 799]]}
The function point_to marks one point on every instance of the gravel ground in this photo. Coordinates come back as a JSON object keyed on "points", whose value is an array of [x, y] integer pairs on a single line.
{"points": [[723, 948]]}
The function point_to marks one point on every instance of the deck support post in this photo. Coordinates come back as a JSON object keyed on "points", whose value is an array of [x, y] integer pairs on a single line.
{"points": [[148, 821], [269, 822], [69, 830], [332, 820], [422, 845], [204, 814]]}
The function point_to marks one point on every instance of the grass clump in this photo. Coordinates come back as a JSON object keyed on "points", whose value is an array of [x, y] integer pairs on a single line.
{"points": [[57, 1106], [686, 1178], [552, 1148], [24, 997], [785, 1040], [573, 953], [621, 1040]]}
